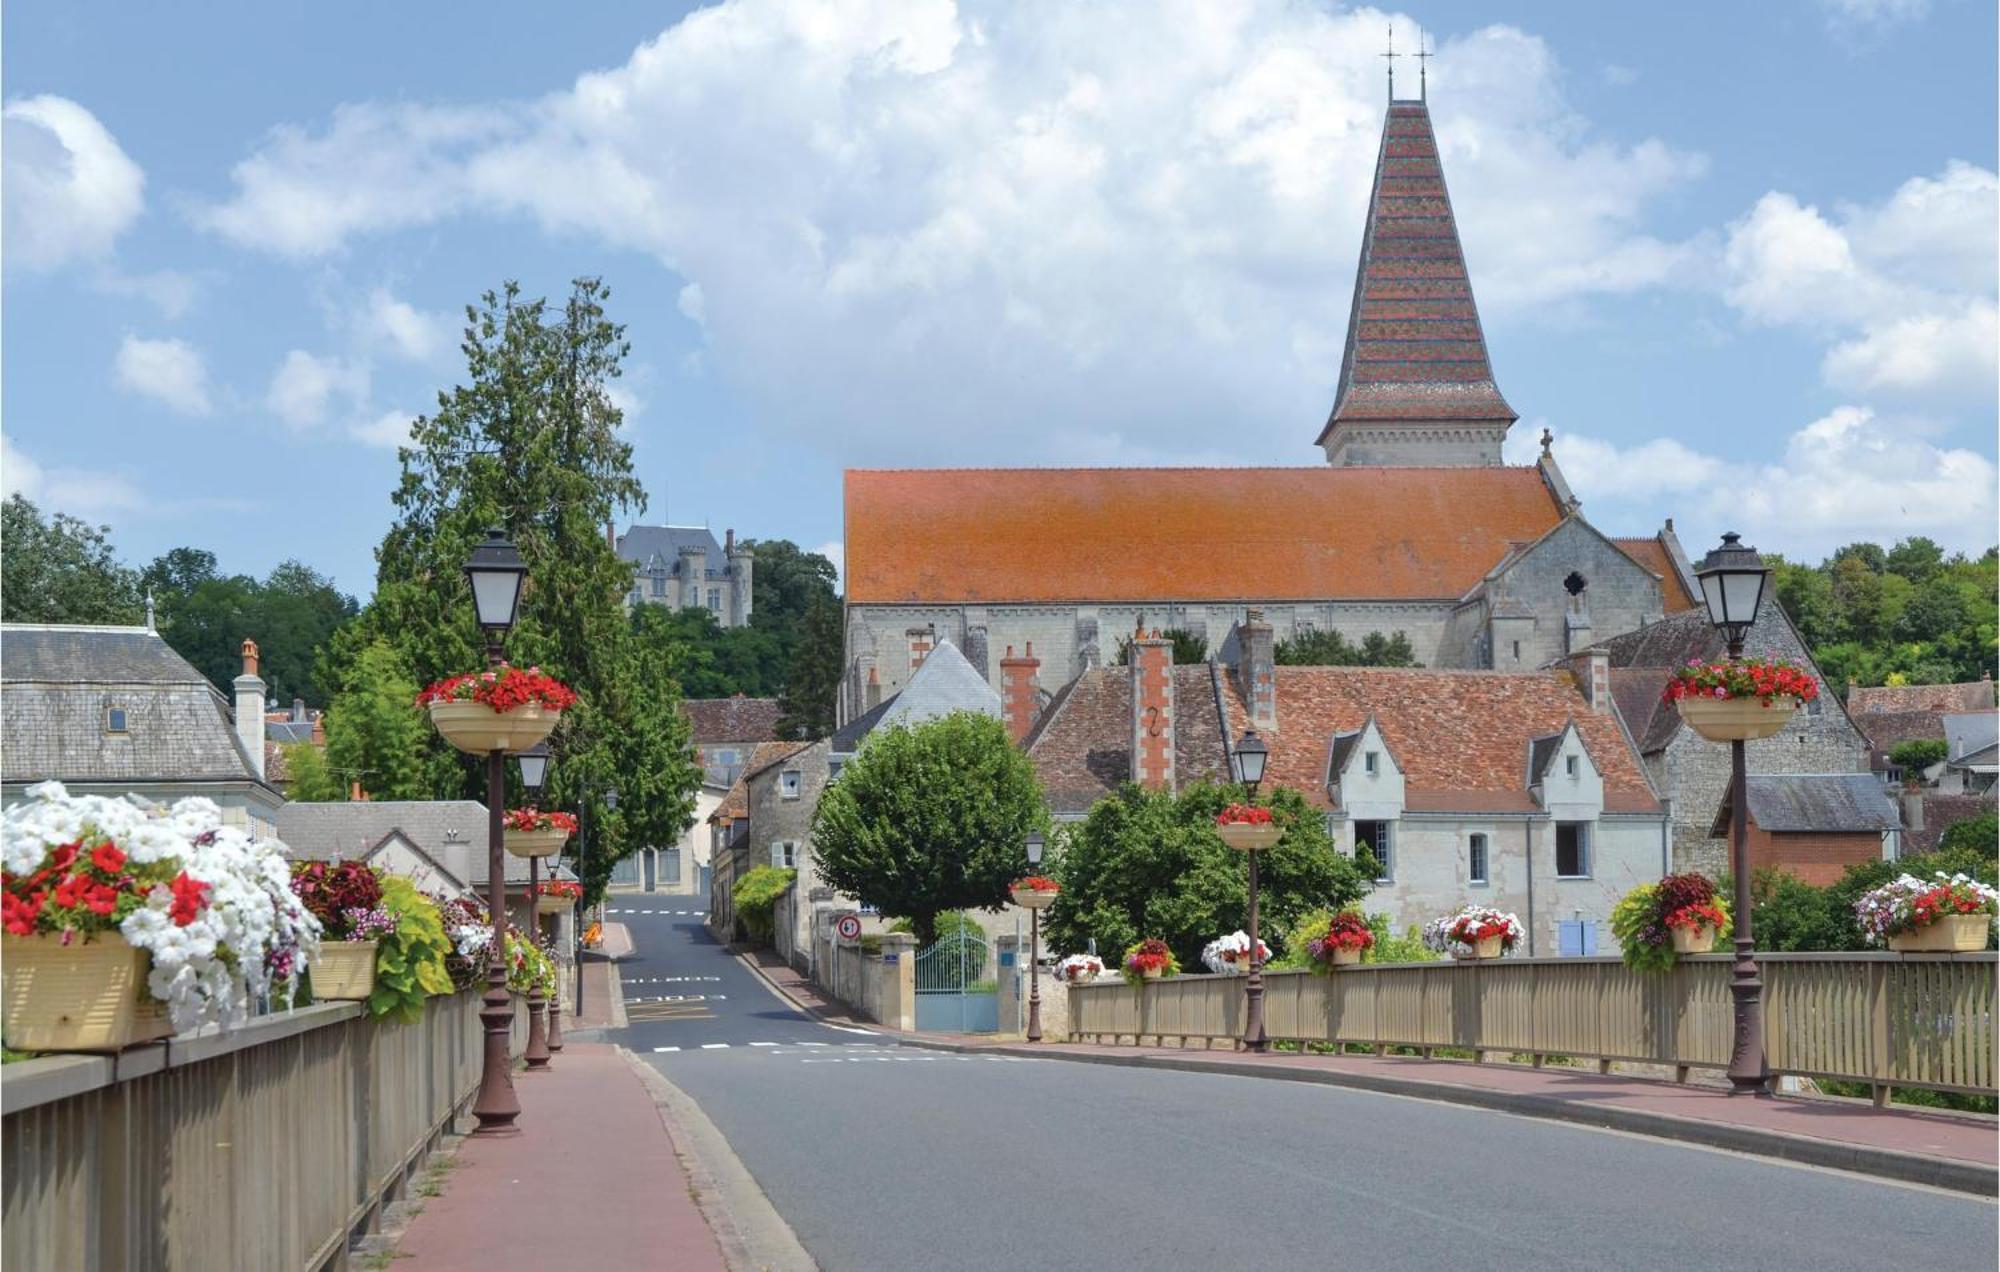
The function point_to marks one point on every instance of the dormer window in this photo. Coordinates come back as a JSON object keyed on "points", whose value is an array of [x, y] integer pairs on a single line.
{"points": [[114, 719], [1371, 763]]}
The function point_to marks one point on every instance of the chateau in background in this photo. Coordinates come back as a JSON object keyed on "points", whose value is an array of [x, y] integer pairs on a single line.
{"points": [[1413, 525], [684, 567]]}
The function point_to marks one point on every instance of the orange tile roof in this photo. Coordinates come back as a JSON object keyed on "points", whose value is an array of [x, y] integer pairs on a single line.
{"points": [[1461, 737], [1186, 534], [1652, 554]]}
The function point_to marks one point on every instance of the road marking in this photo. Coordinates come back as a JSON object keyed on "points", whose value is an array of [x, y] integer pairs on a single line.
{"points": [[812, 1044], [763, 1044], [850, 1029], [714, 1046], [665, 1049]]}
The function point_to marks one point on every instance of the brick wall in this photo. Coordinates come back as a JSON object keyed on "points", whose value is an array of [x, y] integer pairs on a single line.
{"points": [[1818, 859], [1153, 711]]}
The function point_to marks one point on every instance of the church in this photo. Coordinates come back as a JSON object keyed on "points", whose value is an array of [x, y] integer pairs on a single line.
{"points": [[1412, 523]]}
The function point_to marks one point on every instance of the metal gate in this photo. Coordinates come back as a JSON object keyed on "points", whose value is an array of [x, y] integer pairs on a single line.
{"points": [[956, 992]]}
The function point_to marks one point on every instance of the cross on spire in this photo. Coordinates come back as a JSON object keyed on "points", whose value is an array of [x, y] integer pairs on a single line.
{"points": [[1391, 57], [1423, 57]]}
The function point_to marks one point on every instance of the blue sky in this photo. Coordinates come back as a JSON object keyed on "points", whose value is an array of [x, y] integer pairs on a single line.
{"points": [[1740, 258]]}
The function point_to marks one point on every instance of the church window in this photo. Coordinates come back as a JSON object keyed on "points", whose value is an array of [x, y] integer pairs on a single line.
{"points": [[1476, 859], [1575, 583], [1572, 850]]}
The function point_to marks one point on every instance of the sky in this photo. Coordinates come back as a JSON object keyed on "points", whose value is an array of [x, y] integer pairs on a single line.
{"points": [[1740, 259]]}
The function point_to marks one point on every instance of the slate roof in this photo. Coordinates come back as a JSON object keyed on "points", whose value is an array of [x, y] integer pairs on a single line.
{"points": [[1462, 738], [1972, 695], [56, 682], [1941, 812], [452, 832], [1887, 729], [735, 804], [847, 738], [1815, 803], [1415, 350], [990, 536], [1970, 733], [1082, 745], [737, 719], [646, 545], [1652, 554], [945, 683]]}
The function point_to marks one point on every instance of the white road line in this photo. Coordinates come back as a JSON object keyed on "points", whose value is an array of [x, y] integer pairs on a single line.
{"points": [[714, 1046], [812, 1044], [869, 1033], [763, 1044], [666, 1049]]}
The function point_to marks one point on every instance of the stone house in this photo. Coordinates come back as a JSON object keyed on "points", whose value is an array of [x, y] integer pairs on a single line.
{"points": [[1509, 789], [732, 838], [1890, 715], [1412, 524], [724, 732], [1691, 772], [1815, 825], [115, 711], [683, 567]]}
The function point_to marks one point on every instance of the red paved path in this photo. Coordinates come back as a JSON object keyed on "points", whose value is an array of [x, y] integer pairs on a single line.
{"points": [[591, 1181]]}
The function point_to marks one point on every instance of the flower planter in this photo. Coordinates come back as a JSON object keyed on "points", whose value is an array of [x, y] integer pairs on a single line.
{"points": [[1151, 973], [84, 996], [1491, 947], [1736, 719], [1034, 899], [1696, 940], [1947, 934], [1345, 957], [1250, 836], [478, 728], [345, 971], [554, 905], [535, 843]]}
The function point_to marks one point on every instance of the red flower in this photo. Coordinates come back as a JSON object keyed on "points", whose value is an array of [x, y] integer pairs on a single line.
{"points": [[1037, 883], [108, 858], [190, 895], [1243, 815], [60, 859], [70, 891], [18, 916], [102, 899]]}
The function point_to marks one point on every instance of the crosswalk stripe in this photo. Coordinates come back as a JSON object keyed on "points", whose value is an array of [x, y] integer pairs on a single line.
{"points": [[666, 1048], [763, 1044], [812, 1044], [714, 1046]]}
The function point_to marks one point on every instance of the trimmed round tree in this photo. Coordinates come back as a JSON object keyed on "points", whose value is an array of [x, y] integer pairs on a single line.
{"points": [[929, 819]]}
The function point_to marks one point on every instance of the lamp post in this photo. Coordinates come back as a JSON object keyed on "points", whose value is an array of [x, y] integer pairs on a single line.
{"points": [[1251, 752], [1733, 579], [495, 572], [582, 862], [534, 764], [1035, 846]]}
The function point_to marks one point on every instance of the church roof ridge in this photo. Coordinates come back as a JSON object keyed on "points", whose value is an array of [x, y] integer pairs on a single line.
{"points": [[1351, 473]]}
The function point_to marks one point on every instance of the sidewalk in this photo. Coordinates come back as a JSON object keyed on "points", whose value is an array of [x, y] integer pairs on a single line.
{"points": [[1956, 1151], [793, 984], [602, 992], [591, 1180]]}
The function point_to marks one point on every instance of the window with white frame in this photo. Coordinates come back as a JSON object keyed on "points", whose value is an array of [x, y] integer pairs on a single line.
{"points": [[114, 720], [1377, 839], [1475, 858], [788, 784], [1572, 850], [1371, 762], [715, 600], [785, 854]]}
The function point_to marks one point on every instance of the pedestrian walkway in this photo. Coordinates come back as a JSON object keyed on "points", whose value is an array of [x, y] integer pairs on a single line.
{"points": [[590, 1180], [793, 984]]}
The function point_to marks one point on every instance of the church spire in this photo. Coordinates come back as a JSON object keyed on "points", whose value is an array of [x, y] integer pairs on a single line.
{"points": [[1415, 384]]}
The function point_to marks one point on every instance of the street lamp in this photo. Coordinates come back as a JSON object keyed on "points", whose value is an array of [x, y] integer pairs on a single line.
{"points": [[1733, 580], [1035, 845], [495, 572], [534, 764], [1251, 752]]}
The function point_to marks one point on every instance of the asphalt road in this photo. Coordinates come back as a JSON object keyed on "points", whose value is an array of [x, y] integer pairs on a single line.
{"points": [[889, 1157]]}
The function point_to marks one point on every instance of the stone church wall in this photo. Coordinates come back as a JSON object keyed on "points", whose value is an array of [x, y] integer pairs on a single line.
{"points": [[1618, 595]]}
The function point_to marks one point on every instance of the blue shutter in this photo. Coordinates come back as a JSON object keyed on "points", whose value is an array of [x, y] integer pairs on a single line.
{"points": [[1569, 938], [1590, 938]]}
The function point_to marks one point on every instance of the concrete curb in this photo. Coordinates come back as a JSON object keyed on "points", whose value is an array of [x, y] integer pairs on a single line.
{"points": [[849, 1022], [751, 1233], [1881, 1163]]}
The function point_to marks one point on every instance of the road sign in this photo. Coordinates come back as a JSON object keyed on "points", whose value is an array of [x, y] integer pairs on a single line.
{"points": [[849, 927]]}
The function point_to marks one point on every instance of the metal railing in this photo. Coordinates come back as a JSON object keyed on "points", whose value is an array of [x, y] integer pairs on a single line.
{"points": [[1888, 1020], [265, 1147]]}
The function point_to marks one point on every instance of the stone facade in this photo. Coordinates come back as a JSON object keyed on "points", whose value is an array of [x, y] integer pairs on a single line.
{"points": [[684, 567], [782, 798]]}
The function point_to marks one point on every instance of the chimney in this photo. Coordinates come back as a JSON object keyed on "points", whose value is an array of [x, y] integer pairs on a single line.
{"points": [[729, 542], [1592, 669], [250, 709], [355, 793], [872, 695], [1913, 810], [298, 711], [1257, 670], [319, 728], [1152, 711], [1019, 695]]}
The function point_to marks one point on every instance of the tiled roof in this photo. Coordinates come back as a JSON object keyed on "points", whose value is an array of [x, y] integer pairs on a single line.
{"points": [[1671, 642], [1941, 813], [737, 719], [1461, 737], [1886, 730], [1972, 695], [1652, 554], [735, 803], [1082, 746], [1637, 690], [1823, 803], [970, 536], [770, 754], [1415, 350]]}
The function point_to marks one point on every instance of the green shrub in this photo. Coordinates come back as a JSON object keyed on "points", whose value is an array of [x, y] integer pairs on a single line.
{"points": [[409, 962], [1917, 753], [756, 894], [1406, 948]]}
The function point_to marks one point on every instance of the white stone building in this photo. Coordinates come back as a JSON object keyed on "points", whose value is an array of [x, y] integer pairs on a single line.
{"points": [[684, 567]]}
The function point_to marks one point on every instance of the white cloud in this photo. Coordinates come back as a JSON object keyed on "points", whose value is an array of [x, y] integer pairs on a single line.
{"points": [[403, 329], [1599, 469], [169, 291], [70, 191], [168, 371], [1036, 216], [390, 429], [91, 495], [1846, 14], [304, 387], [1903, 291], [835, 551]]}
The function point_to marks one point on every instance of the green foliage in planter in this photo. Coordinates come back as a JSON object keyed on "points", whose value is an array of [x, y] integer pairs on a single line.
{"points": [[755, 896], [1917, 754], [1388, 947], [1789, 914], [409, 962]]}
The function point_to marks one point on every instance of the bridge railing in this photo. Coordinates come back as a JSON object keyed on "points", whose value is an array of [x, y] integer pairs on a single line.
{"points": [[266, 1147], [1888, 1020]]}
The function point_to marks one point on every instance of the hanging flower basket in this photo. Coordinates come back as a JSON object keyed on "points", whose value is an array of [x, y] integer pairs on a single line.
{"points": [[1149, 959], [505, 710], [88, 995], [1035, 892], [558, 896], [1346, 939], [1247, 828], [1739, 701], [1946, 915], [1737, 719], [345, 971], [529, 832], [1473, 933]]}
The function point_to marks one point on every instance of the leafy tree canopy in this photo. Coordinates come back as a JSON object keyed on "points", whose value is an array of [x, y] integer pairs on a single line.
{"points": [[930, 819], [61, 570], [375, 733], [1909, 614], [1149, 864], [1331, 649], [206, 615], [1789, 914]]}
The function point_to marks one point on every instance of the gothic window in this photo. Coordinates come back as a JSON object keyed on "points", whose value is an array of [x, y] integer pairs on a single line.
{"points": [[1575, 583]]}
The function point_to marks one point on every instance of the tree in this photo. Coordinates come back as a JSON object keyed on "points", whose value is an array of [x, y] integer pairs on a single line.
{"points": [[930, 819], [61, 570], [375, 733], [1974, 837], [312, 782], [1331, 649], [806, 706], [1915, 558], [206, 615], [1149, 864], [1189, 648]]}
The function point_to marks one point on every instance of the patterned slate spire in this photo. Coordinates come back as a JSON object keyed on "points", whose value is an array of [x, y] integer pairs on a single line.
{"points": [[1415, 353]]}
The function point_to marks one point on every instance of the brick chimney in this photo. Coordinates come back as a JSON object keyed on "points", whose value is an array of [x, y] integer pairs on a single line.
{"points": [[1257, 671], [872, 695], [250, 709], [1152, 711], [1592, 669], [1020, 697]]}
